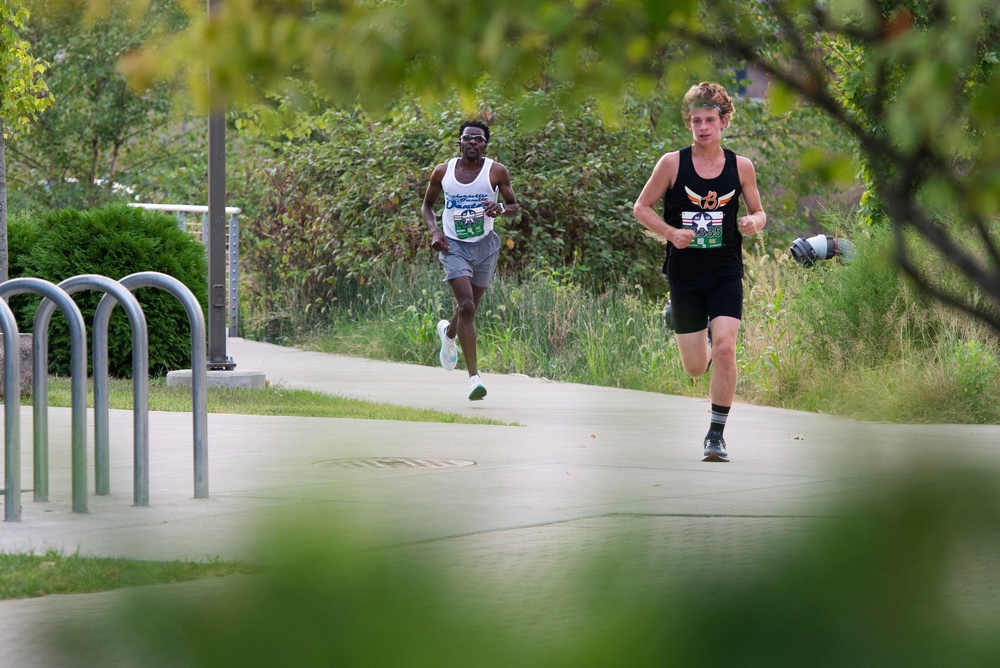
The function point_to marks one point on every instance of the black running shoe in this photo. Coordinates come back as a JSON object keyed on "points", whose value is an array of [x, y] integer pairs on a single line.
{"points": [[715, 448]]}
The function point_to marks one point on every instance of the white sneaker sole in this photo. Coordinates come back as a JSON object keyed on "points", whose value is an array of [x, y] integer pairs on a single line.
{"points": [[448, 363]]}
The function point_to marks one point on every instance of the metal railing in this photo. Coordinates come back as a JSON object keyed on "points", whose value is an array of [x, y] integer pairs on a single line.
{"points": [[12, 414], [182, 212], [140, 378], [199, 373]]}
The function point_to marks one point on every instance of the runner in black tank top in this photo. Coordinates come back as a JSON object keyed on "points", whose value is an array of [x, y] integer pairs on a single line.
{"points": [[700, 187], [710, 207]]}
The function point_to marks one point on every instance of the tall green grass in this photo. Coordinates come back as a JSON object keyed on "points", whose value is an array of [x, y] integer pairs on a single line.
{"points": [[543, 327], [858, 340], [849, 339]]}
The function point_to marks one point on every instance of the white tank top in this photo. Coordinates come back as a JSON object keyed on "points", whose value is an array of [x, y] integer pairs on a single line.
{"points": [[464, 217]]}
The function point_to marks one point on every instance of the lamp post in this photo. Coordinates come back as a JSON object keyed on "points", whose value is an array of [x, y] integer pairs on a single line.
{"points": [[217, 358]]}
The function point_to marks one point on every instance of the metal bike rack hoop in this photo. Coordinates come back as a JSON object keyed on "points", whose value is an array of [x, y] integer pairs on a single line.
{"points": [[199, 366], [12, 414], [40, 386], [140, 381]]}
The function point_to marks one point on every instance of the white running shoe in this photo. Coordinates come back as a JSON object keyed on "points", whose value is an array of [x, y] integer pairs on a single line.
{"points": [[476, 389], [449, 347]]}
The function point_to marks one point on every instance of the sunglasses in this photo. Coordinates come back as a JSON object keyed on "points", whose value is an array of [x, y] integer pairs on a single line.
{"points": [[477, 138]]}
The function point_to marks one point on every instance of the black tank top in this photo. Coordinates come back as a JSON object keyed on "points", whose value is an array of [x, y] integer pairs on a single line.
{"points": [[710, 207]]}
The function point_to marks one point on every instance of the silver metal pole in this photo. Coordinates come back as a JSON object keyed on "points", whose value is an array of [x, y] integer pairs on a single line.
{"points": [[234, 275], [12, 414], [40, 385]]}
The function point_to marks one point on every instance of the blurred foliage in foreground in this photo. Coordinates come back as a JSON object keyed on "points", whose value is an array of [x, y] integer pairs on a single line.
{"points": [[905, 574]]}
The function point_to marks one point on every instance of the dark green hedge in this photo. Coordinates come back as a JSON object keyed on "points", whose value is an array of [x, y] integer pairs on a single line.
{"points": [[114, 241]]}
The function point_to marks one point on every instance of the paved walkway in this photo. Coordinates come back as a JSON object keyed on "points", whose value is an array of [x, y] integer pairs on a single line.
{"points": [[582, 465]]}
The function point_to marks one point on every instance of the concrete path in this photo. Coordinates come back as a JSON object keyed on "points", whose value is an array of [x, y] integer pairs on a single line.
{"points": [[581, 465]]}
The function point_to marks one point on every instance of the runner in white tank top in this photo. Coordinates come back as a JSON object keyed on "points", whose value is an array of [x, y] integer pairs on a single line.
{"points": [[467, 246], [464, 214]]}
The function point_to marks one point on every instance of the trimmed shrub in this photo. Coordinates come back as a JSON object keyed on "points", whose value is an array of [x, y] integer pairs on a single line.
{"points": [[114, 241]]}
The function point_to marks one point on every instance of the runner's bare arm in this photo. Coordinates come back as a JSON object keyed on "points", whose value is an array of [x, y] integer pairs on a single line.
{"points": [[661, 180], [756, 219], [500, 178], [439, 241]]}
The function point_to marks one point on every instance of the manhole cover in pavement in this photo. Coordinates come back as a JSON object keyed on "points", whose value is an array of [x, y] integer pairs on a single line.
{"points": [[394, 463]]}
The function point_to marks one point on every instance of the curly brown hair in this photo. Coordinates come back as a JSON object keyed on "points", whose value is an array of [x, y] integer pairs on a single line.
{"points": [[707, 94]]}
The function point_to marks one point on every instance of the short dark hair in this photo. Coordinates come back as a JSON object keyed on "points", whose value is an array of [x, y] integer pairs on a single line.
{"points": [[475, 124]]}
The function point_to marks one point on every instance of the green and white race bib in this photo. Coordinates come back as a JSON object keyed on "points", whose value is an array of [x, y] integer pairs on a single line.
{"points": [[470, 223], [707, 226]]}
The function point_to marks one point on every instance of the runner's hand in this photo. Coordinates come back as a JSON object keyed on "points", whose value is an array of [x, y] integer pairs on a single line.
{"points": [[748, 225], [439, 242], [681, 238]]}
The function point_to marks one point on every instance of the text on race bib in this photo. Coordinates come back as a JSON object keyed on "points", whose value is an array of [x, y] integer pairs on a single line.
{"points": [[707, 227]]}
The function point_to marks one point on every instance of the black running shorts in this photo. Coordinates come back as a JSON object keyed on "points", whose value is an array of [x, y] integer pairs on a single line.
{"points": [[694, 303]]}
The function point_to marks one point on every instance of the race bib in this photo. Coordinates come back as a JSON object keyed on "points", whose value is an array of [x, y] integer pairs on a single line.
{"points": [[707, 226], [470, 223]]}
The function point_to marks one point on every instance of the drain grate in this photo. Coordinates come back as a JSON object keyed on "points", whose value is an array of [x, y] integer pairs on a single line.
{"points": [[394, 463]]}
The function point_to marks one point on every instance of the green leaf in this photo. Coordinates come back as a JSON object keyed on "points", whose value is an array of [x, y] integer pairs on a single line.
{"points": [[780, 99]]}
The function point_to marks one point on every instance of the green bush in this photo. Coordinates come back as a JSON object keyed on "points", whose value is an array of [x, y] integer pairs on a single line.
{"points": [[975, 375], [22, 236], [114, 241], [341, 202]]}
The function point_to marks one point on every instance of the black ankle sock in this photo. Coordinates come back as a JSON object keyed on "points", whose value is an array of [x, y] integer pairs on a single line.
{"points": [[719, 415]]}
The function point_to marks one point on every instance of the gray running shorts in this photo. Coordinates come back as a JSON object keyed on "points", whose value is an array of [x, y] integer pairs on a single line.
{"points": [[478, 260]]}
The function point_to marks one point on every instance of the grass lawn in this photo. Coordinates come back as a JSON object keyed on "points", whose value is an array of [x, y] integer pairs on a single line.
{"points": [[28, 575], [272, 400]]}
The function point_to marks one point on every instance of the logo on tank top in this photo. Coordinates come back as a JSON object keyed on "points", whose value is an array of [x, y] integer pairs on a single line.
{"points": [[707, 223]]}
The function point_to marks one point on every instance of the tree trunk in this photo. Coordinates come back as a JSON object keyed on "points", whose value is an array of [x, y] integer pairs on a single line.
{"points": [[4, 264]]}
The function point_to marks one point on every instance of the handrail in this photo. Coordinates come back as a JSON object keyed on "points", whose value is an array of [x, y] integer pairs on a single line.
{"points": [[186, 208]]}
